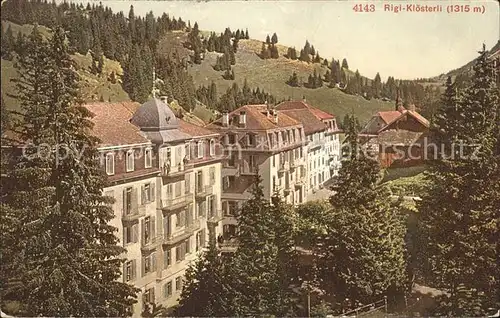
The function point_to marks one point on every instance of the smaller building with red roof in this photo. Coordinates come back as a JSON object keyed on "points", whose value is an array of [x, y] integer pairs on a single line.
{"points": [[396, 137]]}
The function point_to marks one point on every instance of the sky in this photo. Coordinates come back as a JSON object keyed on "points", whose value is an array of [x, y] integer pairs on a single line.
{"points": [[405, 45]]}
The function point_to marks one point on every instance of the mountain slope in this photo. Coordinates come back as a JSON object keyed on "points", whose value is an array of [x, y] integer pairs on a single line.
{"points": [[272, 74]]}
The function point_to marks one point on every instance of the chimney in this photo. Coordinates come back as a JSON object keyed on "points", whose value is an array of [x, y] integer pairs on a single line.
{"points": [[164, 99], [243, 118], [275, 117], [225, 119], [304, 98]]}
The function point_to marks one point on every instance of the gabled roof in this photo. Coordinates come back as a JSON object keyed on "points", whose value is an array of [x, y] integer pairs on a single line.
{"points": [[256, 119], [392, 116], [310, 122], [289, 105], [112, 123]]}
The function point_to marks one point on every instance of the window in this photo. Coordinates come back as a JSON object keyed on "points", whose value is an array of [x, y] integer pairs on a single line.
{"points": [[178, 189], [199, 145], [251, 139], [130, 234], [169, 156], [200, 240], [148, 158], [149, 296], [147, 229], [274, 182], [212, 175], [187, 150], [232, 138], [127, 201], [167, 289], [274, 161], [212, 147], [300, 133], [167, 258], [130, 160], [110, 163], [178, 283], [187, 246], [187, 184], [129, 270], [283, 137], [147, 193], [179, 254], [180, 219], [149, 264]]}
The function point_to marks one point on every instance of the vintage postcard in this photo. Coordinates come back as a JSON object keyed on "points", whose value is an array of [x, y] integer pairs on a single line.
{"points": [[250, 158]]}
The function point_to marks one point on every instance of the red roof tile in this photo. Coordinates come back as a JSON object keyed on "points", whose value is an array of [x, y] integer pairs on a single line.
{"points": [[389, 116], [256, 119], [288, 105], [310, 122], [194, 130], [112, 123]]}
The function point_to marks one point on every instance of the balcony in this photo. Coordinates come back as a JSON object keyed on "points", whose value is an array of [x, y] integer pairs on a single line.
{"points": [[134, 215], [204, 191], [284, 166], [181, 235], [150, 244], [230, 171], [172, 204], [214, 216], [176, 171], [228, 246], [249, 171]]}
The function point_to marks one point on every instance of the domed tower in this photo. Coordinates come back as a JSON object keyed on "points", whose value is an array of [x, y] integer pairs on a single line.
{"points": [[158, 122]]}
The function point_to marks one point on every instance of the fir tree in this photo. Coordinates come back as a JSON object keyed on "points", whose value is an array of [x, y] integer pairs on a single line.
{"points": [[64, 259], [265, 52], [293, 80], [207, 291], [262, 281], [366, 231], [274, 39], [247, 37], [344, 64], [459, 214]]}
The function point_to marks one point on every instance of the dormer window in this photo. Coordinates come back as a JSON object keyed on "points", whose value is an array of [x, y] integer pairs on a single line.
{"points": [[110, 163], [148, 158], [251, 139], [187, 151], [130, 160], [199, 145], [212, 147]]}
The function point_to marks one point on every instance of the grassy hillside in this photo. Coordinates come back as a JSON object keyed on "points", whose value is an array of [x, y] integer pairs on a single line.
{"points": [[272, 74], [93, 87]]}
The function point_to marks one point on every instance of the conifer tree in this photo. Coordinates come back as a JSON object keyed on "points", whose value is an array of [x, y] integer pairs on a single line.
{"points": [[268, 40], [459, 213], [274, 38], [264, 52], [63, 259], [293, 80], [366, 231], [344, 64], [262, 281], [246, 34], [208, 289]]}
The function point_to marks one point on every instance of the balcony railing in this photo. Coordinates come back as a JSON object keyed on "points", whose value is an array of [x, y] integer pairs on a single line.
{"points": [[214, 216], [230, 245], [171, 203], [179, 236], [151, 243], [284, 166], [176, 170], [249, 170], [133, 215], [202, 192], [230, 171]]}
